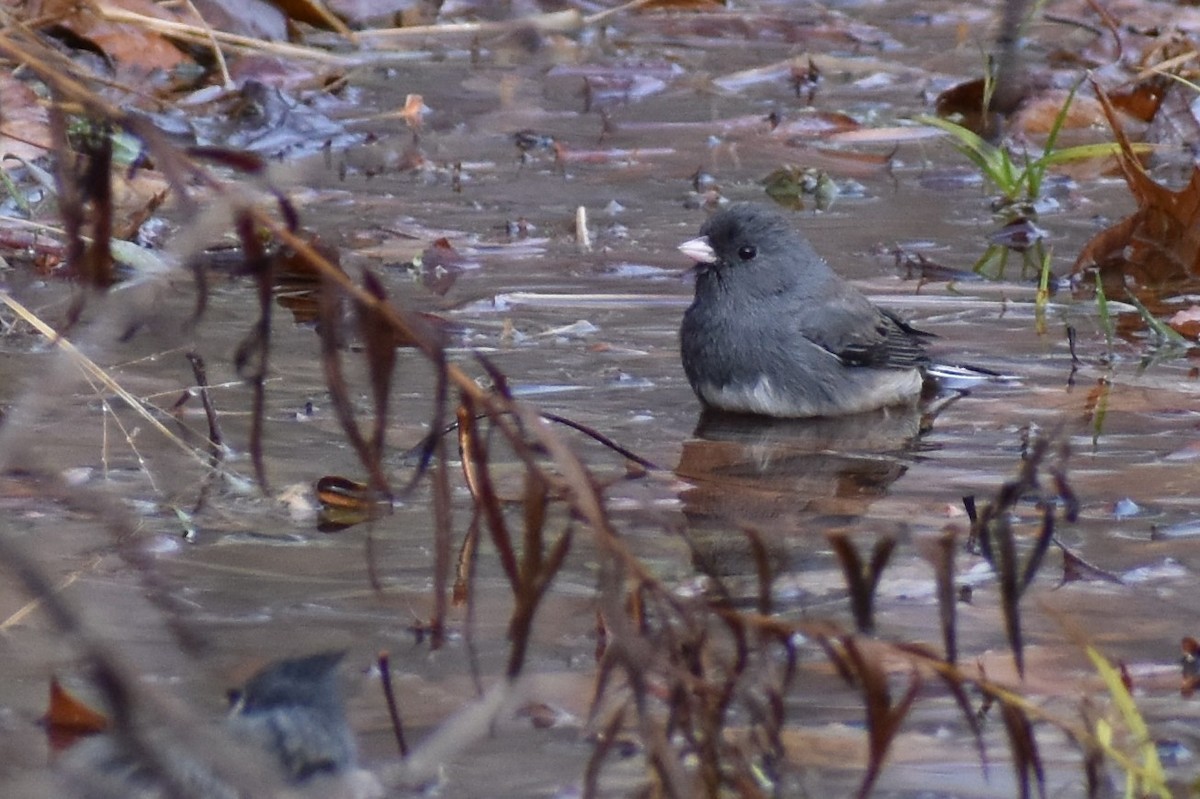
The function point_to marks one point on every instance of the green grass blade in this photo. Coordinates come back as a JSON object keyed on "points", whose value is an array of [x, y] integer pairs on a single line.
{"points": [[1165, 332], [1106, 320], [989, 158], [1147, 778], [1043, 291], [1082, 152]]}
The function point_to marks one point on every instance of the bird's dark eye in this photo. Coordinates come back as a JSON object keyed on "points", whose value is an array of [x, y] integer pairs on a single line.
{"points": [[747, 253]]}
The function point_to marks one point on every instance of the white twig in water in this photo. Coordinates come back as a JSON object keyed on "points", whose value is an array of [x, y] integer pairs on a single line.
{"points": [[581, 229]]}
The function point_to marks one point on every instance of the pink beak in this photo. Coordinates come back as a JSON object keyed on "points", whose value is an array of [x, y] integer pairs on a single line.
{"points": [[699, 250]]}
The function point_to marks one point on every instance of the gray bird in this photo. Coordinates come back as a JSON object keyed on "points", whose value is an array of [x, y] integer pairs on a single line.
{"points": [[773, 330], [293, 709], [286, 728]]}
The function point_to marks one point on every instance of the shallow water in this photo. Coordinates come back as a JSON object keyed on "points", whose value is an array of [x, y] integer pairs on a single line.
{"points": [[259, 581]]}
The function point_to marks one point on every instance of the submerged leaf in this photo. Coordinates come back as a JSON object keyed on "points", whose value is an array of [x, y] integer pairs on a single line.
{"points": [[789, 185], [345, 503]]}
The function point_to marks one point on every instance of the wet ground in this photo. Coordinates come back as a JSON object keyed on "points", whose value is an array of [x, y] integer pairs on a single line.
{"points": [[591, 335]]}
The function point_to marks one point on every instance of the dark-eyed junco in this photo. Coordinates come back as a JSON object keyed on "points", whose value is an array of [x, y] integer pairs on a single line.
{"points": [[286, 726], [293, 709], [773, 330]]}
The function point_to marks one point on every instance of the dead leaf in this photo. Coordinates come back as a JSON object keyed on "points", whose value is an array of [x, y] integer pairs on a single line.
{"points": [[813, 124], [311, 12], [1175, 124], [1160, 241], [24, 127], [67, 718], [414, 109], [1038, 115], [1141, 100], [345, 503], [1187, 322], [342, 492], [132, 48], [964, 100], [439, 266], [255, 18], [544, 716], [1191, 665]]}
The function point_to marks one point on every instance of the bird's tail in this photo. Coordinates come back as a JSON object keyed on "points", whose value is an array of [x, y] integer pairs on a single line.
{"points": [[957, 376]]}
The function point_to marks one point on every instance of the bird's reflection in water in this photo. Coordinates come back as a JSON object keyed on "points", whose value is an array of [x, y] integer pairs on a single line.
{"points": [[788, 479]]}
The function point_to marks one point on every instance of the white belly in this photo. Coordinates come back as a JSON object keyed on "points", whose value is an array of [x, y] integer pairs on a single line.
{"points": [[874, 388]]}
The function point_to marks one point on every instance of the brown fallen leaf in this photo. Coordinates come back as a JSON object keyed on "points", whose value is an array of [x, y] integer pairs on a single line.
{"points": [[343, 493], [135, 51], [812, 125], [257, 19], [414, 109], [544, 716], [1190, 662], [68, 719], [1038, 115], [345, 503], [439, 266], [1186, 322], [1142, 100], [964, 100], [24, 128], [312, 12], [1160, 241]]}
